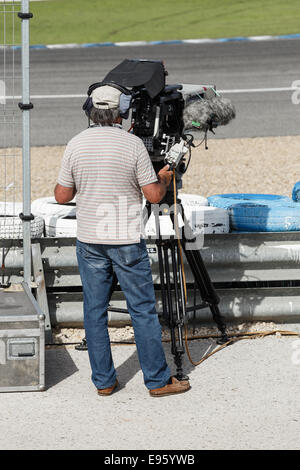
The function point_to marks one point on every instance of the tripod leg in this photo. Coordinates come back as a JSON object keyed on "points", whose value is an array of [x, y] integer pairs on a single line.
{"points": [[201, 276], [206, 289], [170, 303], [180, 304], [162, 282], [174, 321], [220, 324]]}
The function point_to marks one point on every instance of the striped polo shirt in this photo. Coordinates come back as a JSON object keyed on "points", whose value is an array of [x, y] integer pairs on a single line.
{"points": [[108, 166]]}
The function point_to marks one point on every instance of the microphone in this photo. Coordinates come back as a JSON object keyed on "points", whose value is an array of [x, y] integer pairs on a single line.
{"points": [[206, 114]]}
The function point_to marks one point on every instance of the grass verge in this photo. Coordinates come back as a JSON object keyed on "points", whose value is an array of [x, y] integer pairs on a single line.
{"points": [[77, 21]]}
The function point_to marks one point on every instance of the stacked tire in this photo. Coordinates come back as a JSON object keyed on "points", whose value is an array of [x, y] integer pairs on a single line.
{"points": [[11, 226], [259, 212], [60, 219], [201, 218]]}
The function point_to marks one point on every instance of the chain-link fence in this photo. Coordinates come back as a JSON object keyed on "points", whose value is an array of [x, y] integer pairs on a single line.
{"points": [[10, 116], [14, 127]]}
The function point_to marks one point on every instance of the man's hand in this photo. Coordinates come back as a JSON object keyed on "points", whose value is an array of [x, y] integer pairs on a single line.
{"points": [[154, 192], [165, 175]]}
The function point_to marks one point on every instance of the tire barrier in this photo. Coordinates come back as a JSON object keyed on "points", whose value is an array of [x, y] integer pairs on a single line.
{"points": [[60, 219], [201, 218], [259, 212], [227, 200], [47, 206], [60, 227], [206, 219], [12, 227]]}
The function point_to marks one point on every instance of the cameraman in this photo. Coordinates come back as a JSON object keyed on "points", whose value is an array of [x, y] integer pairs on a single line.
{"points": [[109, 170]]}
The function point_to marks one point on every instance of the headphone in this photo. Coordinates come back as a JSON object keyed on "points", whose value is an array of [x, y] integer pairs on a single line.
{"points": [[125, 98]]}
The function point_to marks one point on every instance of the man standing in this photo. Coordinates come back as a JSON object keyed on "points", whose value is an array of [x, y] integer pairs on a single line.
{"points": [[109, 170]]}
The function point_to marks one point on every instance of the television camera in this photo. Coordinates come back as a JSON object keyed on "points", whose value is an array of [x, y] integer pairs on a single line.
{"points": [[163, 115]]}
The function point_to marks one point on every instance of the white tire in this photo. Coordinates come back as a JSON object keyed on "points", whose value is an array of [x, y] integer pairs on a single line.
{"points": [[11, 208], [206, 219], [60, 227], [47, 206], [12, 227], [193, 200], [202, 220], [189, 200]]}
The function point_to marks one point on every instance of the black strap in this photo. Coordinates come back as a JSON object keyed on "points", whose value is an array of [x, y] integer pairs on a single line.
{"points": [[25, 16], [26, 218], [112, 84], [25, 107]]}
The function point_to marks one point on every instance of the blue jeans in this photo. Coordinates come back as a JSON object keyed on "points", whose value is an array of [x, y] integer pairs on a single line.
{"points": [[131, 265]]}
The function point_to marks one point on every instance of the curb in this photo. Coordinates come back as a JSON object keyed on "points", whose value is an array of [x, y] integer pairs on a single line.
{"points": [[157, 43]]}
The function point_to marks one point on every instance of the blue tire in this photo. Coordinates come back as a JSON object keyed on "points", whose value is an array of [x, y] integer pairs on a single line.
{"points": [[226, 200], [259, 212], [296, 192]]}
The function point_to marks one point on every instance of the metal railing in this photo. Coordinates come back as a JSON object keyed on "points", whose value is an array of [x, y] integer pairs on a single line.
{"points": [[257, 276]]}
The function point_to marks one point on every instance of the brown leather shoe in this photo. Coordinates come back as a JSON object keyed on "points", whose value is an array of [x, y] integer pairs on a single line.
{"points": [[107, 391], [177, 386]]}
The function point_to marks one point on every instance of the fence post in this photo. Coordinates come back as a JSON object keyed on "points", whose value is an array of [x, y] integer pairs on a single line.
{"points": [[26, 106]]}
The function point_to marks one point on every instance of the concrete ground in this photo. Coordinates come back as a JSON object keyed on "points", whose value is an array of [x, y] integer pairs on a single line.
{"points": [[244, 397]]}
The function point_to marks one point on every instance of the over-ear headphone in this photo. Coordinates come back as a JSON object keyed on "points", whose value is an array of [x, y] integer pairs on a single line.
{"points": [[125, 98]]}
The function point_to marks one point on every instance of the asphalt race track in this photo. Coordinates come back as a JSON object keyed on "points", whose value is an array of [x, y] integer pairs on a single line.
{"points": [[248, 66]]}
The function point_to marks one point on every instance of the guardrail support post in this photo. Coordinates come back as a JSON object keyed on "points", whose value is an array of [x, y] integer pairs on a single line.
{"points": [[41, 293]]}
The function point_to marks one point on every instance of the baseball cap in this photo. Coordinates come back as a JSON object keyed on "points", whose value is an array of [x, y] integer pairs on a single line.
{"points": [[106, 97]]}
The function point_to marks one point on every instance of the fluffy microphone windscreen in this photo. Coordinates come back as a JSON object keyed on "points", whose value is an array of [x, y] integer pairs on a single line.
{"points": [[204, 112]]}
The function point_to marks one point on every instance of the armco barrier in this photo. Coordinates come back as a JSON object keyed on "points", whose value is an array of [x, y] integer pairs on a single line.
{"points": [[257, 276]]}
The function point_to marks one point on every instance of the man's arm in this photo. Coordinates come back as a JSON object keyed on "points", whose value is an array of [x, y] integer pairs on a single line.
{"points": [[154, 192], [63, 194]]}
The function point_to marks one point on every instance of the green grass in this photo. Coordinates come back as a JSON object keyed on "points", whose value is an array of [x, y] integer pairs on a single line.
{"points": [[84, 21]]}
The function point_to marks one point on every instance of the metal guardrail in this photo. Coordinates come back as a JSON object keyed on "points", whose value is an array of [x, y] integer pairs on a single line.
{"points": [[257, 276]]}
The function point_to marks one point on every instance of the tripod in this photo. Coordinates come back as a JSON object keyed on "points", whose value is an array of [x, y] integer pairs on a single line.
{"points": [[172, 279]]}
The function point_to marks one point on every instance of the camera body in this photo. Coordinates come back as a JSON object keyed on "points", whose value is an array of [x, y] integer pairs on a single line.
{"points": [[156, 111], [161, 113], [158, 120], [156, 108]]}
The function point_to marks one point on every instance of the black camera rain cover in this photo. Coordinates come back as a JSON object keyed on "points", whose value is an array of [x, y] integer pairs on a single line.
{"points": [[132, 73]]}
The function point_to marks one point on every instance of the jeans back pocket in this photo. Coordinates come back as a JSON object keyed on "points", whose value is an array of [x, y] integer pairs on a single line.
{"points": [[130, 255]]}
